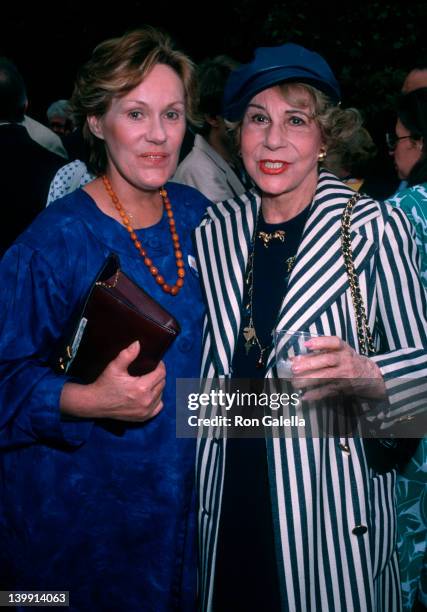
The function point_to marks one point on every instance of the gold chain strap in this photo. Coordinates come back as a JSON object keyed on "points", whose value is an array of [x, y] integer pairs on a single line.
{"points": [[364, 335]]}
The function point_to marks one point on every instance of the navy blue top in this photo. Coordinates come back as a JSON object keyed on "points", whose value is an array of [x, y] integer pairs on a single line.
{"points": [[108, 517], [246, 572]]}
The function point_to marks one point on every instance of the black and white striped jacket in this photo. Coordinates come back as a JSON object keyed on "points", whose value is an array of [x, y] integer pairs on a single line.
{"points": [[324, 494]]}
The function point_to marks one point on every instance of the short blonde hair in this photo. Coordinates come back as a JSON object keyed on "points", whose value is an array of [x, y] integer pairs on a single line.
{"points": [[336, 124], [117, 66]]}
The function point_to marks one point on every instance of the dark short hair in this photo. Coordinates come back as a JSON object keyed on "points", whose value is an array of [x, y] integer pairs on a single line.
{"points": [[13, 95], [412, 113], [212, 76], [117, 66]]}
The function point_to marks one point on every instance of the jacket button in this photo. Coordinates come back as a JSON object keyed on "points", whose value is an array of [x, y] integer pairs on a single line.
{"points": [[344, 447], [359, 530]]}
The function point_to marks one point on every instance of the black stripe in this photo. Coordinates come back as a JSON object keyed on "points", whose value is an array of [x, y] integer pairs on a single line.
{"points": [[330, 476], [303, 513], [276, 522], [214, 297], [359, 518], [326, 574], [291, 527]]}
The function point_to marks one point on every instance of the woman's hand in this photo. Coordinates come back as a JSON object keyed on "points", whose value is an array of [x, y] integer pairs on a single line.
{"points": [[115, 394], [337, 369]]}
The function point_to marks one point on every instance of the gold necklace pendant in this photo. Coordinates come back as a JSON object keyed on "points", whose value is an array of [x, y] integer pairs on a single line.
{"points": [[249, 335], [249, 332], [266, 237], [290, 262]]}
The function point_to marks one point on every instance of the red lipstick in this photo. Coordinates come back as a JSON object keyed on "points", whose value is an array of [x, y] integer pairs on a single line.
{"points": [[273, 166]]}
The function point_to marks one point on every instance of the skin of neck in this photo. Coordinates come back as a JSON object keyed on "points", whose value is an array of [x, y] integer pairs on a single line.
{"points": [[144, 206], [287, 205]]}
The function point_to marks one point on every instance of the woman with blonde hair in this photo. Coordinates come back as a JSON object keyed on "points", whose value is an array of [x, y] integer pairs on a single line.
{"points": [[303, 523], [97, 492]]}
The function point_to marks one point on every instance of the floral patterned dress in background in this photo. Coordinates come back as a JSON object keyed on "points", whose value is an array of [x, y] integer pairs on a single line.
{"points": [[412, 483]]}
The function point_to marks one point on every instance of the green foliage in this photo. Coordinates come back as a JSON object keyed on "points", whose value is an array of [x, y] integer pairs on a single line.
{"points": [[370, 45]]}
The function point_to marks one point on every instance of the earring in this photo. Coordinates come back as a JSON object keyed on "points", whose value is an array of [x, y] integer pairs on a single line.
{"points": [[321, 156]]}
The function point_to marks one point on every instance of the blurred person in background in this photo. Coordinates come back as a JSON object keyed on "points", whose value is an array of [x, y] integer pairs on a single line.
{"points": [[212, 166], [416, 77], [408, 144], [60, 118], [349, 158], [26, 168]]}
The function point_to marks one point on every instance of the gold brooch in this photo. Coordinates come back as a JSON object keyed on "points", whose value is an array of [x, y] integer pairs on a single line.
{"points": [[266, 237]]}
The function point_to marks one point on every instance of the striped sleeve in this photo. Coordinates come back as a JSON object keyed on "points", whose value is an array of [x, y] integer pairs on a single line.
{"points": [[403, 319]]}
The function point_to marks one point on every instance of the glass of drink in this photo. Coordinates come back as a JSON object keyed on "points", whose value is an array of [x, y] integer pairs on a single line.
{"points": [[289, 343]]}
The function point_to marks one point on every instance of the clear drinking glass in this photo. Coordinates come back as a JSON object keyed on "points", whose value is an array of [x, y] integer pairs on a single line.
{"points": [[289, 343]]}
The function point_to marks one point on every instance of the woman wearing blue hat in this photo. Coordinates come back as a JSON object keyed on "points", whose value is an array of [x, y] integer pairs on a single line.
{"points": [[304, 523]]}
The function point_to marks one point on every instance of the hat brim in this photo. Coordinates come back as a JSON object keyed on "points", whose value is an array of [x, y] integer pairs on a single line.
{"points": [[269, 78]]}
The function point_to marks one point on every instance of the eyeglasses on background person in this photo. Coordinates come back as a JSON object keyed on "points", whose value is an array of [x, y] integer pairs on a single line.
{"points": [[392, 140]]}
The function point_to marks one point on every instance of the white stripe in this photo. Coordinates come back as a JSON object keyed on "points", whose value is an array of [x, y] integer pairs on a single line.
{"points": [[211, 307], [298, 528], [342, 489], [286, 554], [307, 468], [325, 522], [218, 290], [324, 215]]}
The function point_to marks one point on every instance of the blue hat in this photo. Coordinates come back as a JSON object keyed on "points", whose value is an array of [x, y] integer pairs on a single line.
{"points": [[274, 65]]}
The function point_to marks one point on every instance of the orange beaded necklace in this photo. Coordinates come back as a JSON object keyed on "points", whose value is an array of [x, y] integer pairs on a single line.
{"points": [[171, 289]]}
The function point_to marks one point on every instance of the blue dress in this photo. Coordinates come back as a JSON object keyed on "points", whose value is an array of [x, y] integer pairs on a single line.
{"points": [[106, 514]]}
